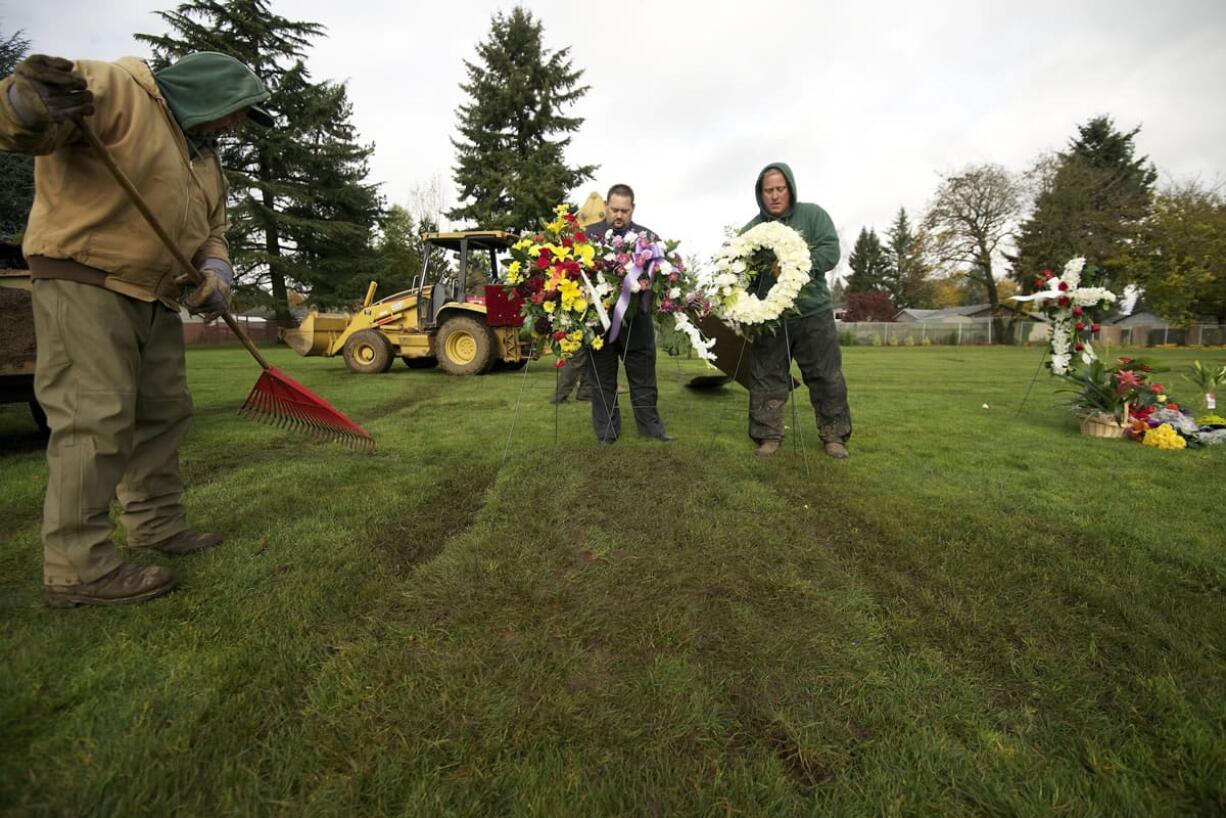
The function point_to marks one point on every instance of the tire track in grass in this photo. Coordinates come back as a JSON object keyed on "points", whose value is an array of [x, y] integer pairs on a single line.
{"points": [[451, 506]]}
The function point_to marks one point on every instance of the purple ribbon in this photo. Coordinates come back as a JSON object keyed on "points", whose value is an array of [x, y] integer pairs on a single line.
{"points": [[644, 259]]}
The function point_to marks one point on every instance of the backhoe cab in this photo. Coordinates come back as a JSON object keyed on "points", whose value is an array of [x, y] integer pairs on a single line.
{"points": [[436, 322]]}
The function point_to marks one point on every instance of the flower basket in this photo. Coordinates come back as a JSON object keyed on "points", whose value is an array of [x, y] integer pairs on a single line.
{"points": [[1101, 424]]}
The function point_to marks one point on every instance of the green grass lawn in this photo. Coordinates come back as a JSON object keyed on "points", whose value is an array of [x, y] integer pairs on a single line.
{"points": [[980, 613]]}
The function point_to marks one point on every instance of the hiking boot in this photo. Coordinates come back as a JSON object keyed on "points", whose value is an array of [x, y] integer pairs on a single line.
{"points": [[837, 450], [127, 584], [766, 448], [185, 542]]}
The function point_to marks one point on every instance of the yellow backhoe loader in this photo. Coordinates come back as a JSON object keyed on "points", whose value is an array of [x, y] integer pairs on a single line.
{"points": [[435, 323]]}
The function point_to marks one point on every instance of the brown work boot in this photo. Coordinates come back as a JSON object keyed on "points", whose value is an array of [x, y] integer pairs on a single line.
{"points": [[766, 448], [837, 450], [185, 542], [125, 585]]}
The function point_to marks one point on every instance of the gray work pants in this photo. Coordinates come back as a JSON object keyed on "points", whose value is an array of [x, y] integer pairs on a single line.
{"points": [[813, 342]]}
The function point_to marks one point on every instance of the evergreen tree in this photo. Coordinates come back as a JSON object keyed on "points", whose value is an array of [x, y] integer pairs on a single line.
{"points": [[869, 263], [301, 209], [16, 169], [838, 294], [1090, 201], [906, 273], [511, 169]]}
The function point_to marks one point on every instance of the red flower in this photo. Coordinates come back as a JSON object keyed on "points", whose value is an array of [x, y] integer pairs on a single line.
{"points": [[1063, 286], [570, 217], [559, 363], [567, 241], [1038, 282], [542, 261], [559, 335], [581, 237], [1077, 310], [1062, 301], [1081, 325], [1045, 273], [1093, 327], [1080, 346], [1157, 387], [1174, 407]]}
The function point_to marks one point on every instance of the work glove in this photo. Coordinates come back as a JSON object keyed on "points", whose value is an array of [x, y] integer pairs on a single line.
{"points": [[44, 90], [211, 298]]}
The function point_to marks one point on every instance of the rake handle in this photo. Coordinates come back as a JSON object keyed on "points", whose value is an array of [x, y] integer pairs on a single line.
{"points": [[139, 203]]}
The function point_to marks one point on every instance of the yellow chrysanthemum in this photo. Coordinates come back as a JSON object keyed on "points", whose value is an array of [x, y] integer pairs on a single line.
{"points": [[1164, 437], [562, 209], [597, 343], [547, 306], [586, 254], [579, 305]]}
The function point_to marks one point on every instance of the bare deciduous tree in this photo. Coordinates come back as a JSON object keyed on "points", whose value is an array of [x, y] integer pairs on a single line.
{"points": [[972, 221]]}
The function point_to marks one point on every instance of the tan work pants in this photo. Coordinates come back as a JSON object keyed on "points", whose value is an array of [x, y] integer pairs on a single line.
{"points": [[111, 377]]}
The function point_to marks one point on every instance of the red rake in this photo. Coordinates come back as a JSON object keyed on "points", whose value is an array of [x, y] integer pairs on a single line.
{"points": [[276, 398]]}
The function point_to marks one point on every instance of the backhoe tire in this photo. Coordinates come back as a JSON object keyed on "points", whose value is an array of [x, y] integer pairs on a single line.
{"points": [[464, 346], [367, 352], [421, 363]]}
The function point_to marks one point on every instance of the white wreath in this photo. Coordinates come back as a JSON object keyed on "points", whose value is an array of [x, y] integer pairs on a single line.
{"points": [[730, 282]]}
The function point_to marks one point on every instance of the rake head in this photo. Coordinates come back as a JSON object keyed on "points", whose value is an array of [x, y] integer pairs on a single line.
{"points": [[279, 400]]}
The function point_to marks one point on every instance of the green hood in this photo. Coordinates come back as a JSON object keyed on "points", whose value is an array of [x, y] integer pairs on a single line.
{"points": [[783, 168], [207, 86]]}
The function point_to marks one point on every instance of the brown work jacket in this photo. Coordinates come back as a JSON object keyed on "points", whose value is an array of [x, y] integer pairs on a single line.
{"points": [[82, 225]]}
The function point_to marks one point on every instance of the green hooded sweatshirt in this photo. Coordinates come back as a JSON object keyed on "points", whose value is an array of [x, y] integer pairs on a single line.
{"points": [[207, 86], [812, 222]]}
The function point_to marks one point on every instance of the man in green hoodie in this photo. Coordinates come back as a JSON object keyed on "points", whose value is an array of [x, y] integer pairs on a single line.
{"points": [[110, 371], [807, 333]]}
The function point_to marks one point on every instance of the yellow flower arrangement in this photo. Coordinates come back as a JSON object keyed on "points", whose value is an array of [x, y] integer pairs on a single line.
{"points": [[1164, 437]]}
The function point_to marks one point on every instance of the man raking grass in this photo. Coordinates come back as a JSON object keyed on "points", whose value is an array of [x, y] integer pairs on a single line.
{"points": [[107, 289]]}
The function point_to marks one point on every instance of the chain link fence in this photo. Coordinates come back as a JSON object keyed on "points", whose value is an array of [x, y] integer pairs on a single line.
{"points": [[1014, 332]]}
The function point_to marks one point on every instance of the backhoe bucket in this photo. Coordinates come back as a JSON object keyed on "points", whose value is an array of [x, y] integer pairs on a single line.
{"points": [[316, 334]]}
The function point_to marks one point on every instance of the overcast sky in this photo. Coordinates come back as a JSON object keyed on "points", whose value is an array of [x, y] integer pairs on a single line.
{"points": [[869, 102]]}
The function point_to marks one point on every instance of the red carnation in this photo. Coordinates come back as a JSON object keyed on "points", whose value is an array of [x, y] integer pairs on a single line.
{"points": [[567, 241], [1080, 346], [558, 364], [1174, 407], [1093, 327], [559, 335], [581, 237], [1063, 301], [1157, 387], [1081, 325], [1077, 310], [1045, 273]]}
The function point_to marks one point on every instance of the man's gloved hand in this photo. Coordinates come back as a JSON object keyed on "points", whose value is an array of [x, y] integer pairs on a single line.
{"points": [[211, 299], [44, 90]]}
